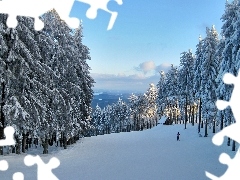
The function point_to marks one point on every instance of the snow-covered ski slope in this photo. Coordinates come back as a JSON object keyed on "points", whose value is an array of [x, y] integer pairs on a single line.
{"points": [[143, 155]]}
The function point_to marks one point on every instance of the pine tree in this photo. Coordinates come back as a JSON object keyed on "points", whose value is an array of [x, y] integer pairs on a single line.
{"points": [[210, 69], [133, 99], [151, 96], [161, 100], [197, 82], [46, 87], [229, 64], [219, 57], [185, 80], [96, 119], [21, 59], [171, 82]]}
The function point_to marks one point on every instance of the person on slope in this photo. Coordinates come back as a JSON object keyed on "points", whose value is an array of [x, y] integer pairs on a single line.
{"points": [[178, 135]]}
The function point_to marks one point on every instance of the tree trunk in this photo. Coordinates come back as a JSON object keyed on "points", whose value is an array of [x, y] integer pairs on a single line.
{"points": [[35, 141], [69, 142], [61, 140], [206, 124], [64, 142], [234, 146], [200, 116], [2, 120], [228, 142], [18, 146], [186, 116], [193, 116], [221, 124], [29, 142], [190, 114], [13, 149], [196, 115], [214, 126], [45, 146], [24, 143]]}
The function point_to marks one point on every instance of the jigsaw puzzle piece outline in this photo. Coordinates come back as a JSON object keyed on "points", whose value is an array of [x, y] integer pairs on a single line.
{"points": [[96, 5], [9, 137], [235, 97], [231, 130], [64, 9], [18, 176], [43, 170], [36, 8], [233, 164], [3, 165]]}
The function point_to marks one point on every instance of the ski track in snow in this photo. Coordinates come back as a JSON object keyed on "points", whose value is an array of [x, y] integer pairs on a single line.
{"points": [[143, 155]]}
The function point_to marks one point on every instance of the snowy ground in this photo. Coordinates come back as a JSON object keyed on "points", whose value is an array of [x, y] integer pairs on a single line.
{"points": [[144, 155]]}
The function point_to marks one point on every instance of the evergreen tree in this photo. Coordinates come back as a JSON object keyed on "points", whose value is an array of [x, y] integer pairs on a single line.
{"points": [[133, 99], [185, 80], [219, 57], [210, 69], [46, 87], [197, 81], [97, 119], [161, 100], [229, 64], [151, 96], [171, 82]]}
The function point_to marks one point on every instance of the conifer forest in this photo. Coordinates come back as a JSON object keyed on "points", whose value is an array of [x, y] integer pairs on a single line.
{"points": [[46, 88]]}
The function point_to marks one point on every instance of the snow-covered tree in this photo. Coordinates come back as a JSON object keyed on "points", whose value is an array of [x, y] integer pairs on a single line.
{"points": [[151, 111], [172, 82], [230, 61], [97, 120], [161, 100], [46, 85], [185, 77], [122, 116], [210, 69], [133, 99], [197, 81], [219, 57], [21, 58], [106, 112]]}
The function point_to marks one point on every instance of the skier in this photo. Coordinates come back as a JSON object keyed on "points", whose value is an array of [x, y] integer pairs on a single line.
{"points": [[178, 134]]}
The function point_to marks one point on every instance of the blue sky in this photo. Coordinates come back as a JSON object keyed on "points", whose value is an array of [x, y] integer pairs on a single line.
{"points": [[147, 37]]}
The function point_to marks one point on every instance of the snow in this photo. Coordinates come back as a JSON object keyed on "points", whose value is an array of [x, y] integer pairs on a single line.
{"points": [[149, 154]]}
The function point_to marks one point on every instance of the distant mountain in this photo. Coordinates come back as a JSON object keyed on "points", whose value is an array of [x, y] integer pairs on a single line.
{"points": [[103, 98]]}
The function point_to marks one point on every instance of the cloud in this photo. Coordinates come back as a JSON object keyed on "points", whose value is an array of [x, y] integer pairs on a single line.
{"points": [[163, 67], [146, 67], [138, 82], [133, 83], [149, 66]]}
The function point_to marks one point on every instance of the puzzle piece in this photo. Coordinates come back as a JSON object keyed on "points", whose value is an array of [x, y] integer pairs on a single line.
{"points": [[9, 134], [95, 5], [233, 129], [18, 176], [232, 172], [35, 8], [3, 165], [44, 170]]}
